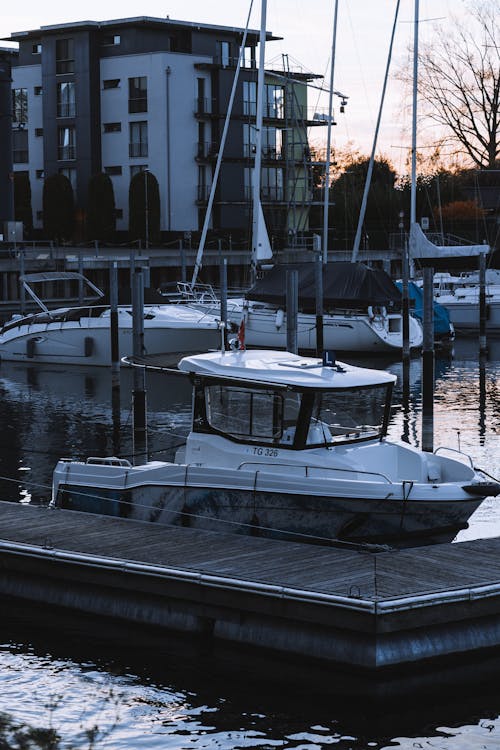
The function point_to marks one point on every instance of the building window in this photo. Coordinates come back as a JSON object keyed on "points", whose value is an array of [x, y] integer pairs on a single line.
{"points": [[20, 146], [203, 186], [70, 174], [136, 168], [40, 174], [272, 184], [250, 98], [138, 94], [274, 101], [112, 127], [138, 145], [118, 213], [271, 142], [38, 132], [20, 106], [65, 56], [113, 170], [224, 53], [111, 83], [67, 144], [110, 40], [37, 90], [39, 215], [36, 49], [66, 106]]}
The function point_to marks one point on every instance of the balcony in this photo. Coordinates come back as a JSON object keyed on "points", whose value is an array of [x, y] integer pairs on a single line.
{"points": [[137, 149], [206, 150], [203, 193], [66, 153], [203, 106]]}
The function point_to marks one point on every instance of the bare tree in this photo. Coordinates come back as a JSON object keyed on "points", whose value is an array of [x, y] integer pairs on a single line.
{"points": [[459, 84]]}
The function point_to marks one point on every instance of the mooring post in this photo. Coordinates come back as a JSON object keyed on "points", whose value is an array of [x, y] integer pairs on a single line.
{"points": [[405, 302], [319, 296], [182, 252], [223, 297], [22, 290], [113, 314], [80, 280], [139, 391], [428, 363], [292, 303], [482, 304]]}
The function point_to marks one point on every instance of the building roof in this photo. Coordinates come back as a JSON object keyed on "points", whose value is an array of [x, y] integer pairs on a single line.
{"points": [[149, 21]]}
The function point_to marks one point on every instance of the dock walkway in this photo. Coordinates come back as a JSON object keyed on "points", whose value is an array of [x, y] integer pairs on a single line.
{"points": [[365, 609]]}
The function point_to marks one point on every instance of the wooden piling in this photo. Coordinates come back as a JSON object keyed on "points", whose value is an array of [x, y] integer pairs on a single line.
{"points": [[292, 302], [482, 304], [139, 391], [428, 363]]}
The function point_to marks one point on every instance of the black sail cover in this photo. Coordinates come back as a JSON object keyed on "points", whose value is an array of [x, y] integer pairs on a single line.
{"points": [[345, 285]]}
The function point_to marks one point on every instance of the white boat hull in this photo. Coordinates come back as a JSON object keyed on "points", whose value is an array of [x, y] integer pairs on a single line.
{"points": [[465, 315], [278, 504], [348, 331], [88, 340]]}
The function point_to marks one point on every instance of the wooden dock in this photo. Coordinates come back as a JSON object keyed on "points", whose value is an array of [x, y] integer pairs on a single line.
{"points": [[358, 608]]}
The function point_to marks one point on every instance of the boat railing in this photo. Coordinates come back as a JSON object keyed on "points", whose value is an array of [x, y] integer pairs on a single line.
{"points": [[199, 293], [307, 469], [455, 450]]}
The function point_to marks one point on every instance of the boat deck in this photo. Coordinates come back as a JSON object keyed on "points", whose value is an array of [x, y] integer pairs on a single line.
{"points": [[357, 607]]}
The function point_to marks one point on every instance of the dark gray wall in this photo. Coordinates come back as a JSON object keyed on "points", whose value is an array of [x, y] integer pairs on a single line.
{"points": [[6, 174]]}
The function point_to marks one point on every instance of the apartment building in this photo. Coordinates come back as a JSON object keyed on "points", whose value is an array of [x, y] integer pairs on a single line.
{"points": [[143, 93]]}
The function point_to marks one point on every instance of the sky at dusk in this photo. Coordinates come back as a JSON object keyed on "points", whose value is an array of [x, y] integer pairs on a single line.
{"points": [[364, 28]]}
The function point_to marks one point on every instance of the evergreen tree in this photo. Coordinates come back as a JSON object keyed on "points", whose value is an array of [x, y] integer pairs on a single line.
{"points": [[144, 208], [101, 217], [58, 208]]}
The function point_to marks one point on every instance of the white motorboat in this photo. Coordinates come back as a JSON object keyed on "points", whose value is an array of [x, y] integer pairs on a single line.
{"points": [[460, 296], [82, 334], [286, 447]]}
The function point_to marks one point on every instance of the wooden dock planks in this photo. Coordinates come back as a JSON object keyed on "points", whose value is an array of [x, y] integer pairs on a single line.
{"points": [[378, 576], [361, 608]]}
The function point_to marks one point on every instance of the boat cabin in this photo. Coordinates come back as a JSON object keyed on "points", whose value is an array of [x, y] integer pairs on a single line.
{"points": [[280, 400]]}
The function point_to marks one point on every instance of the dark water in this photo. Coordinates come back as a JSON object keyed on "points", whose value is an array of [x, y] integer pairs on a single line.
{"points": [[144, 689]]}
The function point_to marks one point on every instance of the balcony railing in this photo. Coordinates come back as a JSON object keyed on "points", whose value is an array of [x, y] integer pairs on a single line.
{"points": [[203, 192], [203, 106], [137, 149], [66, 109], [267, 193], [66, 153], [206, 149], [20, 156]]}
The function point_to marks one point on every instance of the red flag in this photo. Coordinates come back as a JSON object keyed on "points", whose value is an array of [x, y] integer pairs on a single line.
{"points": [[241, 335]]}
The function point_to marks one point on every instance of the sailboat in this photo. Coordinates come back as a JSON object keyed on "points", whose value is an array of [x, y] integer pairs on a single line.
{"points": [[460, 297], [352, 319]]}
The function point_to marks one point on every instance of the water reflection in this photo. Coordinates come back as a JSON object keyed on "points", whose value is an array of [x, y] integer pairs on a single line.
{"points": [[153, 690]]}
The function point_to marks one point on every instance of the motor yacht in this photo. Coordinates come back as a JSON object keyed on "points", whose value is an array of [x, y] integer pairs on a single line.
{"points": [[287, 447]]}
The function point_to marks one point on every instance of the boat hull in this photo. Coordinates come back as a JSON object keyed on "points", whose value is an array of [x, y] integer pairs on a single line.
{"points": [[465, 316], [88, 341], [350, 332], [295, 516]]}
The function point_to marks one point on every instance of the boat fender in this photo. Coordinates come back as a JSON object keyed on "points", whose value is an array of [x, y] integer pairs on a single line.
{"points": [[483, 489], [30, 348], [88, 346], [280, 317]]}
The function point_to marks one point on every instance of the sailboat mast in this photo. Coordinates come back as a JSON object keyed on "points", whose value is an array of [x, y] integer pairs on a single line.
{"points": [[258, 138], [326, 197], [413, 198]]}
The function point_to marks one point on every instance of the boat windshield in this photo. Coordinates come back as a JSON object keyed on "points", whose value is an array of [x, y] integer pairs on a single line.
{"points": [[295, 419], [348, 414]]}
